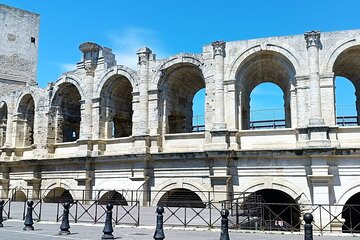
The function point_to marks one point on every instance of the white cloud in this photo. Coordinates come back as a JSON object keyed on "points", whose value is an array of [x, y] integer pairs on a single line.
{"points": [[66, 67], [127, 42]]}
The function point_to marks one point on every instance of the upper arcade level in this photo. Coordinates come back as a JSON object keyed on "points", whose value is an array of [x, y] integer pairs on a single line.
{"points": [[102, 108]]}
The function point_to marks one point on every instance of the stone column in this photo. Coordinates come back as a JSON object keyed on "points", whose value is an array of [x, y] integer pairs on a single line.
{"points": [[313, 44], [317, 130], [219, 54], [143, 73], [91, 53]]}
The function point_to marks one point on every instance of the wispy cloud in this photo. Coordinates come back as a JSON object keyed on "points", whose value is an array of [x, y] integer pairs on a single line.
{"points": [[126, 43], [66, 67]]}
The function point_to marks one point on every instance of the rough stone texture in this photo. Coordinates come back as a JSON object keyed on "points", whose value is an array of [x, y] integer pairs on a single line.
{"points": [[106, 126]]}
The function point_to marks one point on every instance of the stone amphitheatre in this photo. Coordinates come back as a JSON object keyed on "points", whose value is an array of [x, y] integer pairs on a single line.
{"points": [[106, 131]]}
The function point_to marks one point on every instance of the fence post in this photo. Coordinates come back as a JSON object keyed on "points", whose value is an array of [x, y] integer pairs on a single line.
{"points": [[224, 235], [159, 231], [308, 229]]}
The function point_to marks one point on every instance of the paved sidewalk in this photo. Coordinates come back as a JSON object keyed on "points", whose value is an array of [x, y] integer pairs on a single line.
{"points": [[12, 230]]}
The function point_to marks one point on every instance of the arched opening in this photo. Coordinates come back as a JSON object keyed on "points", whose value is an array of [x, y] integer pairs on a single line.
{"points": [[181, 83], [274, 210], [267, 107], [3, 122], [351, 214], [113, 197], [66, 113], [116, 108], [181, 197], [198, 108], [19, 196], [347, 65], [25, 122], [57, 195], [263, 67]]}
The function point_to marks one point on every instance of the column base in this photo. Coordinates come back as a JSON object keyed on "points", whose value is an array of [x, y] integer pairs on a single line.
{"points": [[219, 140], [141, 144]]}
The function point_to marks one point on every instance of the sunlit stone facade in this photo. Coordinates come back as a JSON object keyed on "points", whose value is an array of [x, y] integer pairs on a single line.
{"points": [[107, 126]]}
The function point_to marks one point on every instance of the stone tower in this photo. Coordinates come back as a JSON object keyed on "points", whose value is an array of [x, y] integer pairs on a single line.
{"points": [[19, 48]]}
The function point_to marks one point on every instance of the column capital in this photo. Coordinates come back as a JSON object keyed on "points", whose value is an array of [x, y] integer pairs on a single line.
{"points": [[219, 48], [144, 55], [312, 39]]}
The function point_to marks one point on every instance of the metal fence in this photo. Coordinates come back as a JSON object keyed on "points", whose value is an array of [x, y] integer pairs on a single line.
{"points": [[247, 211]]}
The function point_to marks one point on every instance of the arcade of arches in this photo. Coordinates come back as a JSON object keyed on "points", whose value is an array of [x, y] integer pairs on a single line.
{"points": [[107, 128]]}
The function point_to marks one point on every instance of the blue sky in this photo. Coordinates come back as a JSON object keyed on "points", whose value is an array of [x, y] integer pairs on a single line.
{"points": [[170, 27]]}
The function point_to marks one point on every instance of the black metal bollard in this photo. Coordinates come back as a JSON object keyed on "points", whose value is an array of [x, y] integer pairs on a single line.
{"points": [[65, 226], [108, 229], [224, 235], [1, 212], [308, 229], [159, 231], [28, 218]]}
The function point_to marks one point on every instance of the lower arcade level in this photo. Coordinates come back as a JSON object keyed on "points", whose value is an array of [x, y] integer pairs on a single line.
{"points": [[271, 188]]}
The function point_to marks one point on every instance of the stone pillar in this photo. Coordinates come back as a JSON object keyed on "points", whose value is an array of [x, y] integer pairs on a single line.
{"points": [[219, 133], [5, 180], [313, 44], [219, 54], [328, 97], [293, 106], [91, 53], [317, 130], [154, 121], [89, 181], [321, 181], [144, 55]]}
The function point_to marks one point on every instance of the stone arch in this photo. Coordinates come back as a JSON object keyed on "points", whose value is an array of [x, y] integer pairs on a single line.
{"points": [[58, 194], [60, 183], [118, 70], [344, 61], [282, 185], [116, 106], [65, 113], [288, 52], [183, 58], [181, 78], [176, 184], [113, 197], [68, 78], [333, 54], [261, 67], [18, 196], [25, 119]]}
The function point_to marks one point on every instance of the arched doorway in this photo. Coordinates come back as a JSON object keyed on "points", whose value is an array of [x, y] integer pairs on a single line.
{"points": [[263, 67], [347, 66], [180, 83], [274, 210], [19, 196], [181, 197], [57, 195], [351, 214], [25, 122], [116, 108], [65, 113], [3, 122], [113, 197]]}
